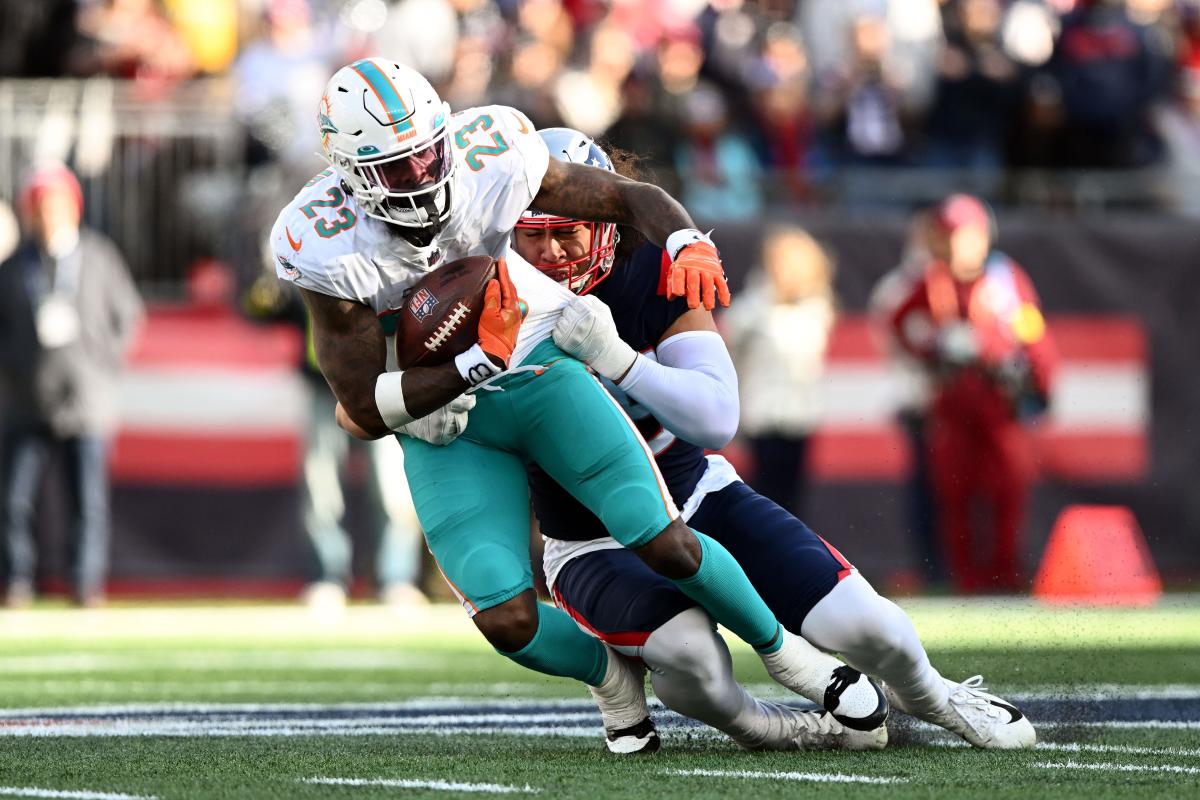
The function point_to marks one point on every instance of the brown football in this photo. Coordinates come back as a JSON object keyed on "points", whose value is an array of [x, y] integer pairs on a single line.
{"points": [[440, 315]]}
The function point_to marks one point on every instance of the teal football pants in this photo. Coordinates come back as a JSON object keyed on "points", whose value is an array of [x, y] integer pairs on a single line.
{"points": [[472, 500]]}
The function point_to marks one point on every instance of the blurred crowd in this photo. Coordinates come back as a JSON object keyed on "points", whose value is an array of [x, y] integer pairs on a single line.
{"points": [[714, 94]]}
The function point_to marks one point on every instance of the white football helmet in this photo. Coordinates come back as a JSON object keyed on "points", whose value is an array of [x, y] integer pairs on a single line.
{"points": [[384, 129], [581, 274]]}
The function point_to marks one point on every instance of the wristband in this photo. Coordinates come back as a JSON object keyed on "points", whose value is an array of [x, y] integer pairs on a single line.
{"points": [[474, 366], [682, 238], [389, 399]]}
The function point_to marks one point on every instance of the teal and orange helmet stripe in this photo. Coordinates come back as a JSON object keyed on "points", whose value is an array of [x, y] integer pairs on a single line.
{"points": [[388, 97]]}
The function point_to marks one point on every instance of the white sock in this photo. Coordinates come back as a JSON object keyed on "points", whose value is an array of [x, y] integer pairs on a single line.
{"points": [[874, 636]]}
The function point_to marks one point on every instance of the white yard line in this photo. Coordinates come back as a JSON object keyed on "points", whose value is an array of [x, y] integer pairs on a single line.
{"points": [[31, 791], [415, 704], [406, 783], [1073, 747], [817, 777], [1159, 724], [1125, 749], [1172, 768]]}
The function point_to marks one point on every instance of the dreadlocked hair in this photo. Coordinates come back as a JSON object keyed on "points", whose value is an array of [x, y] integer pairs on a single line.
{"points": [[627, 164]]}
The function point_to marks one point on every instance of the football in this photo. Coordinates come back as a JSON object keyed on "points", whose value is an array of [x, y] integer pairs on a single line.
{"points": [[440, 316]]}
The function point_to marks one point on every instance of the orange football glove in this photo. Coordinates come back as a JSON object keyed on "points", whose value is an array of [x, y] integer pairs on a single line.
{"points": [[502, 315], [695, 272]]}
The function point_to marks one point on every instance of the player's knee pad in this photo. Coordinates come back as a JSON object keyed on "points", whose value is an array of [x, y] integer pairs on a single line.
{"points": [[687, 646], [634, 513], [854, 618]]}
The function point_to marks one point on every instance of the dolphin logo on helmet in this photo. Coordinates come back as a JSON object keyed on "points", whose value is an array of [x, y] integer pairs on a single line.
{"points": [[384, 129], [580, 275]]}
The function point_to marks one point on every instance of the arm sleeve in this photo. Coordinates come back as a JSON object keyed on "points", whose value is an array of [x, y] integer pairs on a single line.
{"points": [[692, 388]]}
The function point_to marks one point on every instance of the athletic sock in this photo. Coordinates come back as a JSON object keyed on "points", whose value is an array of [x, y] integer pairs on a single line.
{"points": [[560, 648], [722, 588]]}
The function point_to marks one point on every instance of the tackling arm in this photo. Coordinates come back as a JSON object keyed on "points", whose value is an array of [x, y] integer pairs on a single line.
{"points": [[351, 351], [691, 389], [577, 191]]}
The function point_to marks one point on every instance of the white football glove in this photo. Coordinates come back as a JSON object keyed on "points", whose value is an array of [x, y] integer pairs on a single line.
{"points": [[444, 425], [586, 331]]}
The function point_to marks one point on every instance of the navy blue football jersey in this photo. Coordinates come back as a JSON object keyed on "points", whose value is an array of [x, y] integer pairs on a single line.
{"points": [[636, 294]]}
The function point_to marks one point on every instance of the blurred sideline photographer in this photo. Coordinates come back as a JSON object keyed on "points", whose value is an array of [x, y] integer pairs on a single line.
{"points": [[778, 335], [68, 310], [328, 453], [974, 322]]}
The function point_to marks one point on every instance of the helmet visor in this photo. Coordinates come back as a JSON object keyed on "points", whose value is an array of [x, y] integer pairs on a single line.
{"points": [[415, 171]]}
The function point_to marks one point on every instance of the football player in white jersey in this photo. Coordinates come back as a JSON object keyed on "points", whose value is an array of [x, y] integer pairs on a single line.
{"points": [[413, 186]]}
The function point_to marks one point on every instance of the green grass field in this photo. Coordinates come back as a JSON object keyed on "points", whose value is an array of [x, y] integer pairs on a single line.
{"points": [[264, 701]]}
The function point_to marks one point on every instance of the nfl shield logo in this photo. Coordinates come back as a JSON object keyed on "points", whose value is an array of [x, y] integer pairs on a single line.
{"points": [[422, 304]]}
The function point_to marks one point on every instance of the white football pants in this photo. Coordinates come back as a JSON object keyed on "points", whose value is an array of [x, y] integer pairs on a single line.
{"points": [[692, 671]]}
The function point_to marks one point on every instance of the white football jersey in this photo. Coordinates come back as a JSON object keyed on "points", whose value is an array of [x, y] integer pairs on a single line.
{"points": [[323, 242]]}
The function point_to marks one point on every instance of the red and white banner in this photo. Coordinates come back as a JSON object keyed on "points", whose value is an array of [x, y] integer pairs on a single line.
{"points": [[1096, 429], [218, 401]]}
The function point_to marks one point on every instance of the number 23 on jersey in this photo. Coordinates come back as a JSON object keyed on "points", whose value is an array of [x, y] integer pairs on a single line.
{"points": [[467, 136], [326, 228]]}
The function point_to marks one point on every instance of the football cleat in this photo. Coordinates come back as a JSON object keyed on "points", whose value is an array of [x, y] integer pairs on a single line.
{"points": [[852, 698], [621, 697], [818, 730], [637, 739], [982, 719]]}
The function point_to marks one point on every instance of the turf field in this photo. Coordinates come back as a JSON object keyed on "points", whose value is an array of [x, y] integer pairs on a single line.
{"points": [[265, 701]]}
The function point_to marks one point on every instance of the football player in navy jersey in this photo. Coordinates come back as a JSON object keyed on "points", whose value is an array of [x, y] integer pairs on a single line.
{"points": [[669, 367]]}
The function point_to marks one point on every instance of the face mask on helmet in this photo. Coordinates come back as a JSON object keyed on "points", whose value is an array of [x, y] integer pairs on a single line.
{"points": [[579, 274], [410, 189]]}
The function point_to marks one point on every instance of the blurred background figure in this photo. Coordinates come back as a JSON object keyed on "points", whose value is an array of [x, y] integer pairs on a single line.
{"points": [[130, 39], [332, 462], [911, 381], [719, 171], [68, 310], [859, 103], [1109, 69], [977, 85], [778, 333], [974, 321]]}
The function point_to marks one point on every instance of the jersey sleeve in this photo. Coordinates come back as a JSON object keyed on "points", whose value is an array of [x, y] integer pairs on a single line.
{"points": [[500, 145], [304, 258]]}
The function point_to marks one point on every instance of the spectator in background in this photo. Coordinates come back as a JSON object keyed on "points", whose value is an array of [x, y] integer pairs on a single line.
{"points": [[778, 333], [130, 39], [328, 452], [717, 167], [780, 80], [976, 90], [68, 310], [911, 382], [1108, 70], [973, 321], [279, 79], [858, 105], [589, 99]]}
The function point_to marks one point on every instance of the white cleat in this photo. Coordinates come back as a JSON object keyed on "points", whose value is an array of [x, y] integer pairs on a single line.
{"points": [[621, 697], [982, 719], [852, 698], [818, 730]]}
